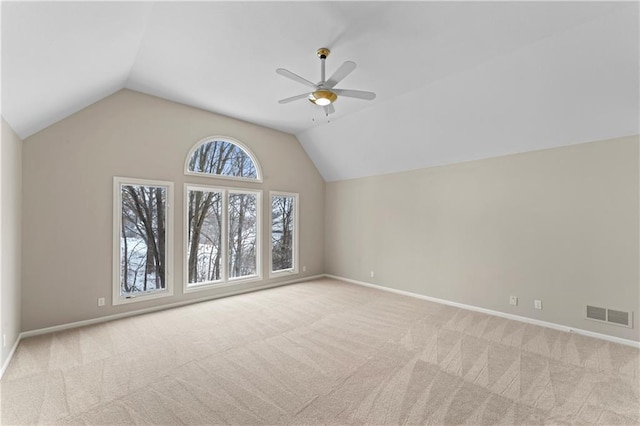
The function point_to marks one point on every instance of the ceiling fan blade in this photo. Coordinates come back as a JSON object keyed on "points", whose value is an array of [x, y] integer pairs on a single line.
{"points": [[295, 77], [343, 71], [329, 109], [359, 94], [293, 98]]}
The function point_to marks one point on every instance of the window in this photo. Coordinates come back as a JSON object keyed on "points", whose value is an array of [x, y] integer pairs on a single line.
{"points": [[221, 236], [204, 248], [222, 157], [243, 234], [142, 239], [284, 233]]}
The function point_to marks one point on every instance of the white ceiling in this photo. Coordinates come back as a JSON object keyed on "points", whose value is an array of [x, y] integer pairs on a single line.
{"points": [[455, 80]]}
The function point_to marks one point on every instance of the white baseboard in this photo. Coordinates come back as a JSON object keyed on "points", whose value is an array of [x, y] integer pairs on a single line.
{"points": [[99, 320], [8, 360], [540, 323]]}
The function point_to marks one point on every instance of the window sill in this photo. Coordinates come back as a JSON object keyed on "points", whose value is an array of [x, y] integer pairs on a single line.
{"points": [[141, 298], [283, 273], [232, 282]]}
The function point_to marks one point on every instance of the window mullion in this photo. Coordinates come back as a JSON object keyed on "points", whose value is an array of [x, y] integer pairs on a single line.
{"points": [[225, 235]]}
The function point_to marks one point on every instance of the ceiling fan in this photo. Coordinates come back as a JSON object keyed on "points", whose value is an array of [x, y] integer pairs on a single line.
{"points": [[324, 94]]}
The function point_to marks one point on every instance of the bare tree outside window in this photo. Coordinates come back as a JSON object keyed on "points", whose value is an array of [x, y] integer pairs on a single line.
{"points": [[243, 236], [282, 232], [143, 238], [222, 158], [205, 236]]}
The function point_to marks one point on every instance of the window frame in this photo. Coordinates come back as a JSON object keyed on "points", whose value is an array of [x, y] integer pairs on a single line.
{"points": [[191, 287], [258, 275], [225, 280], [117, 298], [232, 141], [296, 223]]}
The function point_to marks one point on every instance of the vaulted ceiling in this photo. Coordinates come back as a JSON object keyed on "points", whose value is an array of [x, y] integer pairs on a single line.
{"points": [[456, 81]]}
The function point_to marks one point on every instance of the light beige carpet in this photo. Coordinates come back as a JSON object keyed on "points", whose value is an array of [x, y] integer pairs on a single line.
{"points": [[320, 352]]}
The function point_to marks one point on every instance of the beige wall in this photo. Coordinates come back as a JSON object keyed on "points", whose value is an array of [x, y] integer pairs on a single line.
{"points": [[10, 242], [560, 225], [68, 186]]}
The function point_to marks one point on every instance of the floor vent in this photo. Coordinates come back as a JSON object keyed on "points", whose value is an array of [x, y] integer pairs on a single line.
{"points": [[610, 316]]}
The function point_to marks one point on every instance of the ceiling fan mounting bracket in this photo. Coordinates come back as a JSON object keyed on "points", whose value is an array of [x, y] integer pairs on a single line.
{"points": [[323, 52]]}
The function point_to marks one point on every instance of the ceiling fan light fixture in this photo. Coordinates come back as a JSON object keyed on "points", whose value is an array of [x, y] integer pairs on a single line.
{"points": [[322, 97]]}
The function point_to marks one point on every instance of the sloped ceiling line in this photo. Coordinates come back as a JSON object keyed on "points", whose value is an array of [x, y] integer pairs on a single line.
{"points": [[145, 25]]}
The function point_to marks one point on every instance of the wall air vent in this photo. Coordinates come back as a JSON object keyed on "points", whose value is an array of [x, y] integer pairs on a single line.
{"points": [[609, 316], [595, 313], [619, 317]]}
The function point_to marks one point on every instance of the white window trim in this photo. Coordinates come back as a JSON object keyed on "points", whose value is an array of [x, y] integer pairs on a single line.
{"points": [[294, 269], [225, 280], [233, 141], [118, 299]]}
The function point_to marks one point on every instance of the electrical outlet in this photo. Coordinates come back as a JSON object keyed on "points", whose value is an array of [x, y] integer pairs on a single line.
{"points": [[4, 340], [304, 269], [372, 274], [100, 301], [537, 304], [513, 300]]}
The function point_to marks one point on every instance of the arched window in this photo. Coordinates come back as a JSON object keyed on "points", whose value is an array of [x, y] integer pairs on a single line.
{"points": [[220, 156]]}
